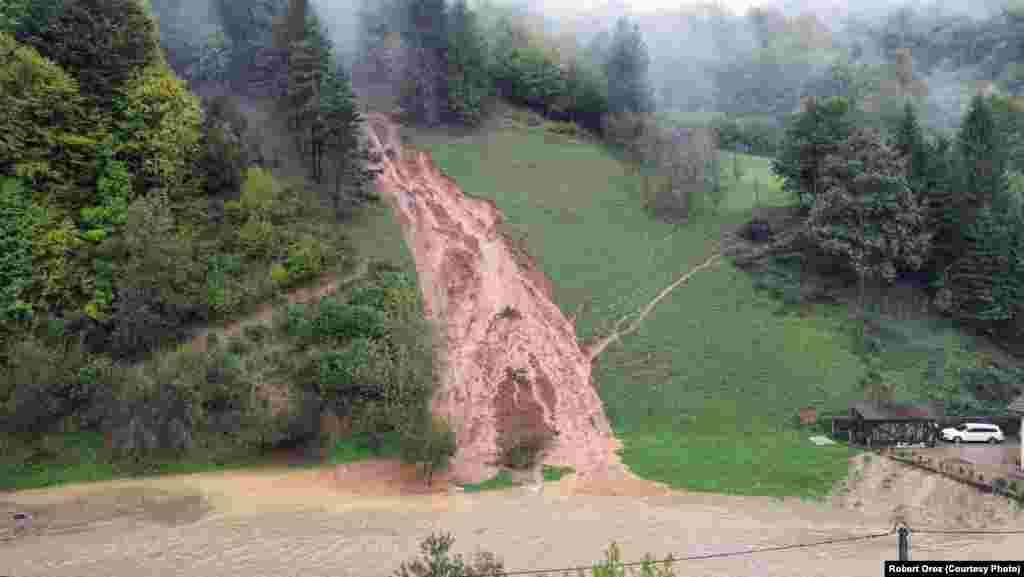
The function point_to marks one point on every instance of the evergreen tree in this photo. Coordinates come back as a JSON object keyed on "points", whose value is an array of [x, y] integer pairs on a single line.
{"points": [[867, 214], [817, 131], [983, 162], [468, 78], [102, 42], [909, 141], [985, 284], [938, 194], [424, 30], [626, 70], [349, 157]]}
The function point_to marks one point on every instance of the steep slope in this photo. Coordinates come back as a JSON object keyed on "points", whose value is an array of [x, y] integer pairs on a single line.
{"points": [[500, 369]]}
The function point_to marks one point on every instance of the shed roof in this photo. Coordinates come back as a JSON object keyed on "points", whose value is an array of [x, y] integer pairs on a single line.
{"points": [[876, 411], [1017, 406]]}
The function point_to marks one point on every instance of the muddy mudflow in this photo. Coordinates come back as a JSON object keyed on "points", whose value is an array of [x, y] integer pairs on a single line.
{"points": [[510, 357]]}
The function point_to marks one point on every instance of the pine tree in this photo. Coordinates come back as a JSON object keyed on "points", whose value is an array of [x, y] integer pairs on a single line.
{"points": [[468, 78], [349, 157], [938, 194], [985, 284], [813, 134], [424, 31], [983, 163], [867, 215], [909, 141], [626, 70]]}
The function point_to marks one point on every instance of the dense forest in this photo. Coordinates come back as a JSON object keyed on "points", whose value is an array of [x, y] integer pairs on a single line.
{"points": [[161, 171]]}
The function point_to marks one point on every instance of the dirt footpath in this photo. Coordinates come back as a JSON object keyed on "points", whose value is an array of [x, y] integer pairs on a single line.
{"points": [[344, 523]]}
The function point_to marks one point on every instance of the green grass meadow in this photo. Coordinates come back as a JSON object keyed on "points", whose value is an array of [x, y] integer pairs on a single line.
{"points": [[705, 395]]}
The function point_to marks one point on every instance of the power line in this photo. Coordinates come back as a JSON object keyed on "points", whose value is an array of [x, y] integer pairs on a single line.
{"points": [[672, 560], [952, 532]]}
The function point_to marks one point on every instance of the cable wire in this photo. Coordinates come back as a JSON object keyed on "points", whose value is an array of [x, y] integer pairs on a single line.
{"points": [[961, 532], [672, 560]]}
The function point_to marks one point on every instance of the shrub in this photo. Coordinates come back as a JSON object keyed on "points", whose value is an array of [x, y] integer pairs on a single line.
{"points": [[305, 258], [256, 237], [436, 561], [565, 129], [46, 383], [346, 375], [296, 322], [520, 445], [224, 158], [259, 191], [279, 274], [509, 313], [339, 321], [430, 446]]}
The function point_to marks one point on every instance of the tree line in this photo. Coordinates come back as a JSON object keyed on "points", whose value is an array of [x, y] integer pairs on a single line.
{"points": [[132, 211], [890, 204], [446, 62]]}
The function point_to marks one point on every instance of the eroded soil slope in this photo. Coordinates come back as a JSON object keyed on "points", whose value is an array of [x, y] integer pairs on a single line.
{"points": [[510, 355]]}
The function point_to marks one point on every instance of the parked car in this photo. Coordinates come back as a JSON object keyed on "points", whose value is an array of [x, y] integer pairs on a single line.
{"points": [[974, 433]]}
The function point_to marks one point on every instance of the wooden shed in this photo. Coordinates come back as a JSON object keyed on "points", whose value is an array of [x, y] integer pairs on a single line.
{"points": [[882, 424]]}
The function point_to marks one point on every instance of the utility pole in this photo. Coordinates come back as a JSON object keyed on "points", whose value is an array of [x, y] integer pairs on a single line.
{"points": [[904, 543]]}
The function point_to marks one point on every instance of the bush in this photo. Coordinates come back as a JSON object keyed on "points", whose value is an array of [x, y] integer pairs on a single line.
{"points": [[46, 383], [520, 445], [296, 322], [565, 128], [225, 157], [305, 259], [256, 237], [340, 321], [436, 561], [430, 446]]}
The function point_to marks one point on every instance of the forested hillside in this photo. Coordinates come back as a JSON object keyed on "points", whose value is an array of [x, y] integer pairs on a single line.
{"points": [[136, 212]]}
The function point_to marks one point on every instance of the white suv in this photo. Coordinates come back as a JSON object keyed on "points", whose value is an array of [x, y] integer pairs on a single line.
{"points": [[974, 432]]}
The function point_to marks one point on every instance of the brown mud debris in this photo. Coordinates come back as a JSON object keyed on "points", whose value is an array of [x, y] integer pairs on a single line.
{"points": [[469, 271]]}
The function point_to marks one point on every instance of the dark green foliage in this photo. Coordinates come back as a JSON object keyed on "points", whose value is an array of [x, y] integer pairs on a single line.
{"points": [[983, 161], [468, 80], [910, 143], [102, 42], [750, 136], [341, 372], [48, 382], [811, 135], [428, 442], [526, 75], [47, 137], [986, 283], [24, 18], [626, 70], [18, 218], [342, 321], [225, 154], [866, 214], [938, 193], [436, 561]]}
